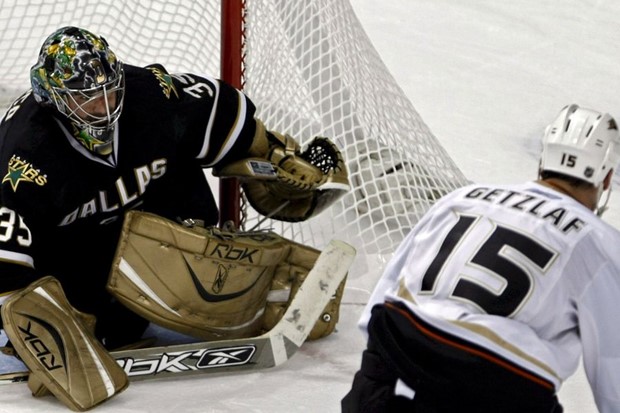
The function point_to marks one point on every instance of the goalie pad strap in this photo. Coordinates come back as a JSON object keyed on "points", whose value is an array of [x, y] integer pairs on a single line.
{"points": [[260, 144], [265, 140], [62, 354]]}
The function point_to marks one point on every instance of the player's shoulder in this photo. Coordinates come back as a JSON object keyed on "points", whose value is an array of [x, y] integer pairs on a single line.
{"points": [[607, 235], [474, 189], [25, 127], [592, 226], [148, 81], [156, 81], [28, 139], [463, 191]]}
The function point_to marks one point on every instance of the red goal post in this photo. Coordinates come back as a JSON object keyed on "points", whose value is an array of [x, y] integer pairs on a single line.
{"points": [[311, 70], [231, 70]]}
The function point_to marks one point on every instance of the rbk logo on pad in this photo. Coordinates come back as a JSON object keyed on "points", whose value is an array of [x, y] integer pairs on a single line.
{"points": [[37, 345], [230, 356]]}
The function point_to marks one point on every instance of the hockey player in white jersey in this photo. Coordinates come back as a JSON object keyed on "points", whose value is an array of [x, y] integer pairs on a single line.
{"points": [[492, 298]]}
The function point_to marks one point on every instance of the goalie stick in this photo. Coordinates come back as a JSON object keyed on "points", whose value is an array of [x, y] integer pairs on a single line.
{"points": [[268, 350]]}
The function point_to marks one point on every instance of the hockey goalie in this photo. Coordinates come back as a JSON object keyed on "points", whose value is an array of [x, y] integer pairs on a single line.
{"points": [[103, 185]]}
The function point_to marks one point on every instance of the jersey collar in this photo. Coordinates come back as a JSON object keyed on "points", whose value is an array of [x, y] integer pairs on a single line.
{"points": [[110, 160]]}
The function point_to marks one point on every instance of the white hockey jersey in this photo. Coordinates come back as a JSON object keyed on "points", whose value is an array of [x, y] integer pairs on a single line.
{"points": [[525, 271]]}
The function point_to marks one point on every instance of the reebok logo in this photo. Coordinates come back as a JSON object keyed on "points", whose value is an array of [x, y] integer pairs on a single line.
{"points": [[222, 274], [38, 348], [230, 356], [186, 361], [220, 279], [232, 253]]}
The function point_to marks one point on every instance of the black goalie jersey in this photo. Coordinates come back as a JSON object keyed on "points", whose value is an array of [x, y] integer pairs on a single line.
{"points": [[62, 206]]}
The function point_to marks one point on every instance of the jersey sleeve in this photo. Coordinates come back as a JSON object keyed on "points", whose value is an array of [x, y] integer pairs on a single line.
{"points": [[600, 337], [231, 126], [17, 268], [216, 120]]}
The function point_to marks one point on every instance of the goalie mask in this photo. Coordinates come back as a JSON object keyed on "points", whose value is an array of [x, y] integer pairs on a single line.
{"points": [[79, 76]]}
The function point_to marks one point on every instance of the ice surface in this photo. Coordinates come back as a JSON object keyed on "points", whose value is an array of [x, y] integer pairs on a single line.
{"points": [[486, 76]]}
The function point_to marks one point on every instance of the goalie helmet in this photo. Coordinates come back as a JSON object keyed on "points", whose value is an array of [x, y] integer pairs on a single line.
{"points": [[79, 76], [581, 143]]}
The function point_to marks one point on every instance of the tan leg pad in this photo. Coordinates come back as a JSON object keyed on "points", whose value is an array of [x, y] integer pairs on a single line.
{"points": [[63, 355]]}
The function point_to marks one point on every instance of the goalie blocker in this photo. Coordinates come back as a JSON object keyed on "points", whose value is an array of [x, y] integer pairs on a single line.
{"points": [[208, 283]]}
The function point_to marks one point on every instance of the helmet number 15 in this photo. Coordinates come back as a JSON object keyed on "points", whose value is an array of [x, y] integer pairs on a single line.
{"points": [[568, 160], [491, 257]]}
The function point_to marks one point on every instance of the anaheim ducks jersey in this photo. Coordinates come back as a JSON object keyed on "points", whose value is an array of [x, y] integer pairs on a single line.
{"points": [[522, 270], [61, 206]]}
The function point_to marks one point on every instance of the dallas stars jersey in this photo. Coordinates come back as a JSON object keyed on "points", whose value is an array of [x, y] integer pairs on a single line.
{"points": [[522, 270], [61, 207]]}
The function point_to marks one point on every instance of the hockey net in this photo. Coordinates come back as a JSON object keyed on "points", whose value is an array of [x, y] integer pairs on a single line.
{"points": [[311, 70]]}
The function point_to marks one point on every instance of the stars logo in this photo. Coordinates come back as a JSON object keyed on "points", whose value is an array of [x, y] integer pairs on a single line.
{"points": [[165, 81], [16, 175], [20, 170]]}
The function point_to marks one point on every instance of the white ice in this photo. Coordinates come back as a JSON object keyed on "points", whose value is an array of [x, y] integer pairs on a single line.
{"points": [[486, 76]]}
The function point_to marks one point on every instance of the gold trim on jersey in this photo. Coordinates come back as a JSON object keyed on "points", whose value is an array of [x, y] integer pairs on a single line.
{"points": [[485, 332], [235, 130], [404, 293]]}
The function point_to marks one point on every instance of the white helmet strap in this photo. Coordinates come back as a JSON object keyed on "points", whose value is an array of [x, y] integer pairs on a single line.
{"points": [[602, 208]]}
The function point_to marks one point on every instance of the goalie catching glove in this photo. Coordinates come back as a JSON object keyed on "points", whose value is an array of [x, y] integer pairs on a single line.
{"points": [[282, 182], [208, 283]]}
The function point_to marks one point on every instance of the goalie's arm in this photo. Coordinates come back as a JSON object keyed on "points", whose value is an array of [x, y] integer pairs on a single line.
{"points": [[279, 179]]}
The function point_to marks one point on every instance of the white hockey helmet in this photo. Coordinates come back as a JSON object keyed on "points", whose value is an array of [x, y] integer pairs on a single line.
{"points": [[581, 143]]}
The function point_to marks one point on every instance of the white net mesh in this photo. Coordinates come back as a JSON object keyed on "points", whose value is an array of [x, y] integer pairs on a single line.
{"points": [[184, 36], [310, 69]]}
